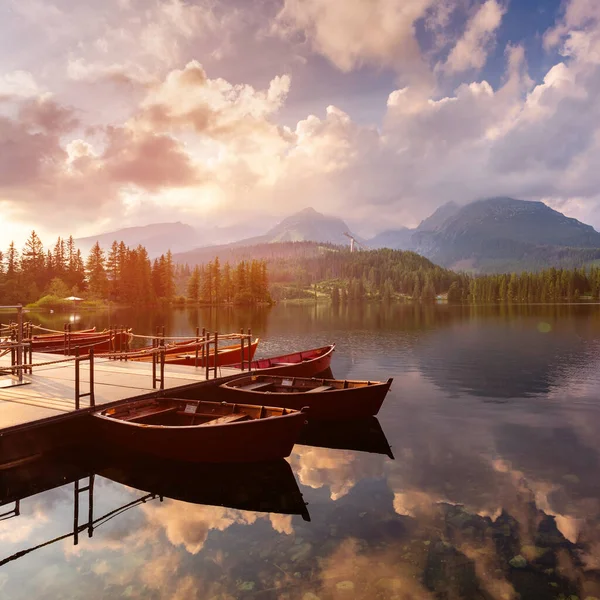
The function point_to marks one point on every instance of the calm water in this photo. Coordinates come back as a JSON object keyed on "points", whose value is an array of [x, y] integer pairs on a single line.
{"points": [[494, 492]]}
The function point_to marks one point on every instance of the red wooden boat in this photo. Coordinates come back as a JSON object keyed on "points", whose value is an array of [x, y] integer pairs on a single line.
{"points": [[200, 431], [103, 341], [227, 355], [326, 398], [306, 363], [59, 335]]}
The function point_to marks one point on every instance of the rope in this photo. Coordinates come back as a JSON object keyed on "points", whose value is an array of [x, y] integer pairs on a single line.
{"points": [[227, 336]]}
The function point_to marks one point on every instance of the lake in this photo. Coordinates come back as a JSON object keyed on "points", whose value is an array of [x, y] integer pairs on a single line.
{"points": [[493, 493]]}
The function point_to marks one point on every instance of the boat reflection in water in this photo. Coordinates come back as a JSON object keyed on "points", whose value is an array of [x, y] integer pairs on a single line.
{"points": [[268, 487], [262, 487], [362, 435]]}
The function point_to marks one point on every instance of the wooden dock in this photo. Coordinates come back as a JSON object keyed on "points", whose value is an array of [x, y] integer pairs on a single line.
{"points": [[50, 390], [41, 414]]}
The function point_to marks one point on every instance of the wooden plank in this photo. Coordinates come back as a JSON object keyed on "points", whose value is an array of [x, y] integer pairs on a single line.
{"points": [[228, 419], [321, 388], [257, 385]]}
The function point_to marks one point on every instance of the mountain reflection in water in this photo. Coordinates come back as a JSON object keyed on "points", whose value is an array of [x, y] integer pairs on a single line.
{"points": [[484, 500]]}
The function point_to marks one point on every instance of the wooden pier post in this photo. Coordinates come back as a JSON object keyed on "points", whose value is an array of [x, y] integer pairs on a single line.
{"points": [[242, 348], [216, 355], [77, 378]]}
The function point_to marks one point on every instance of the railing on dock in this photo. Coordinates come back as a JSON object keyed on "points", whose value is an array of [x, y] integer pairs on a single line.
{"points": [[17, 338]]}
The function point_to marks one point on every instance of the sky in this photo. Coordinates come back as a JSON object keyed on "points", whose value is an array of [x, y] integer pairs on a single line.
{"points": [[223, 112]]}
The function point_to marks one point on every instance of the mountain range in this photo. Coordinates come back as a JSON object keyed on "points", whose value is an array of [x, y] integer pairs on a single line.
{"points": [[490, 235]]}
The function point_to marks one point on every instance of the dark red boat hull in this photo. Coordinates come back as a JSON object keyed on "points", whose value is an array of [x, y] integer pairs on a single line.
{"points": [[249, 441], [225, 357], [307, 363], [352, 403], [100, 342]]}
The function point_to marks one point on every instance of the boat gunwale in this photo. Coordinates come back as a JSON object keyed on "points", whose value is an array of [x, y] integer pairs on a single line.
{"points": [[368, 384], [293, 413], [328, 350]]}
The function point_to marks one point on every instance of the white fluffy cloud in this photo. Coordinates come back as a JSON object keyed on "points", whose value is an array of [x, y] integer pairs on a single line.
{"points": [[193, 142], [470, 51]]}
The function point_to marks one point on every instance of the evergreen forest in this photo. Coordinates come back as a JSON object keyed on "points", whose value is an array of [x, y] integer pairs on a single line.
{"points": [[260, 274], [122, 275]]}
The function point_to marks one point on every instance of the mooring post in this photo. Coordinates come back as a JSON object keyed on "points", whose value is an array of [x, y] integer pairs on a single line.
{"points": [[206, 355], [154, 363], [204, 346], [242, 348], [20, 348], [216, 356], [162, 366], [77, 378], [197, 348], [92, 395]]}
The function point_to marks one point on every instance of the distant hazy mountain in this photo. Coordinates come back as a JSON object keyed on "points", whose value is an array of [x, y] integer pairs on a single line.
{"points": [[498, 234], [307, 226], [397, 239], [439, 217], [156, 238]]}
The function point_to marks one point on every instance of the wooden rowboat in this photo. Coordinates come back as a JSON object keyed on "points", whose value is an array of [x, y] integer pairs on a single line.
{"points": [[227, 355], [326, 398], [103, 341], [306, 363], [59, 335], [201, 431]]}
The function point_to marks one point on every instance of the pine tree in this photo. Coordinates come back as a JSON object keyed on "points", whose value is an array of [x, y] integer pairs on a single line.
{"points": [[33, 261], [96, 272], [193, 285]]}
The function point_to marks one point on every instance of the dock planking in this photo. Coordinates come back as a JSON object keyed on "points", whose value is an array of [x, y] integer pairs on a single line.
{"points": [[50, 390]]}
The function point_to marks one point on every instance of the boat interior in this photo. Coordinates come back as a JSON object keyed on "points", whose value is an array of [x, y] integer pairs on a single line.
{"points": [[179, 412], [295, 385]]}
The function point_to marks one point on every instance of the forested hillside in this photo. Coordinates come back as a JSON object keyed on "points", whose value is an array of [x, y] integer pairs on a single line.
{"points": [[123, 275]]}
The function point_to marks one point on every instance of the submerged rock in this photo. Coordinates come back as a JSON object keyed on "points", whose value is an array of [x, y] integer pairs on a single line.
{"points": [[389, 584], [345, 586], [518, 562], [246, 586]]}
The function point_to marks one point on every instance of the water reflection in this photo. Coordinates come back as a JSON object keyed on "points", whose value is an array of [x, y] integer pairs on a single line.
{"points": [[484, 500]]}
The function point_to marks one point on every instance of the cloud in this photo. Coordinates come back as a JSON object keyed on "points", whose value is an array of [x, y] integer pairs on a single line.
{"points": [[214, 107], [357, 33], [471, 50], [191, 143], [18, 83]]}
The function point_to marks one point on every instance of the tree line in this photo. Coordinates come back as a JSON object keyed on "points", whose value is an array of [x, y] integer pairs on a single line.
{"points": [[395, 274], [122, 275]]}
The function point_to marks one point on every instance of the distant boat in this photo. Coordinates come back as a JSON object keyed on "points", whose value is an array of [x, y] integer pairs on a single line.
{"points": [[305, 363], [200, 431], [325, 398], [227, 355], [101, 341]]}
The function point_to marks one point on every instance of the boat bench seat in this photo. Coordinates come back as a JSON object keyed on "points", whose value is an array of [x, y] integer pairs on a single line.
{"points": [[321, 388], [257, 385], [148, 413], [228, 419]]}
